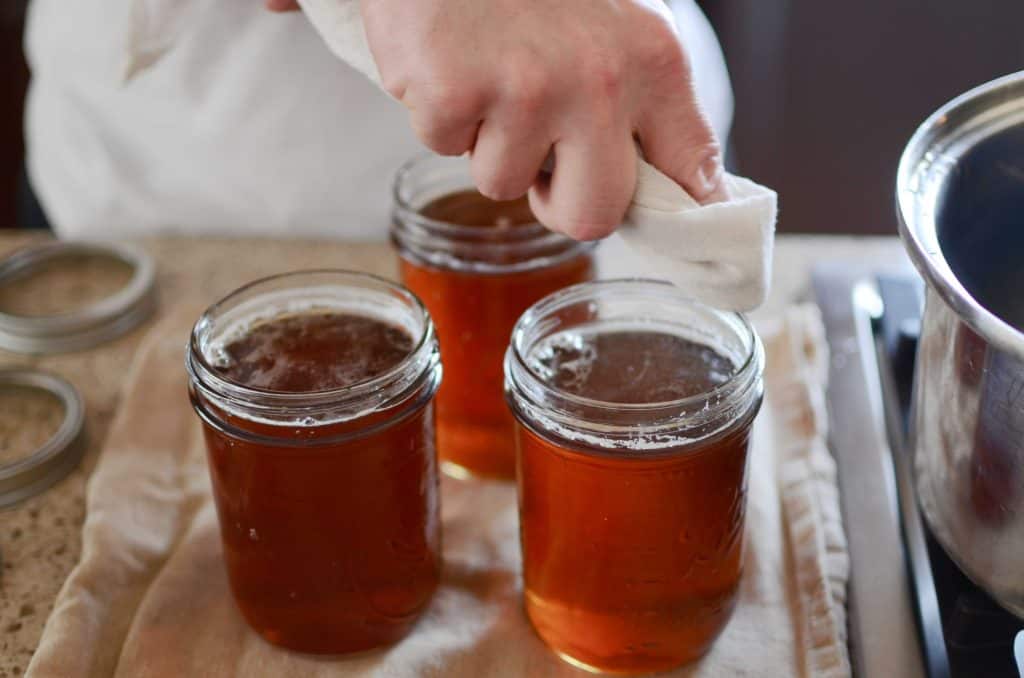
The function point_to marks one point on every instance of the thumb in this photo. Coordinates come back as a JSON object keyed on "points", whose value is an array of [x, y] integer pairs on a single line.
{"points": [[677, 138]]}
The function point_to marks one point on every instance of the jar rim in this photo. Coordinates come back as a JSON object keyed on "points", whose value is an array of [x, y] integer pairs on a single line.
{"points": [[389, 386], [536, 245], [668, 417], [403, 206]]}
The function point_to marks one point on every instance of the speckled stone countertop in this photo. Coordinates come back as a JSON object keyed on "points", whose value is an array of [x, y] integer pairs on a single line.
{"points": [[40, 539]]}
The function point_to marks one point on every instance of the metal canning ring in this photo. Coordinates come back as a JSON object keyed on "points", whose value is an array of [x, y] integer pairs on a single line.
{"points": [[56, 457], [91, 325]]}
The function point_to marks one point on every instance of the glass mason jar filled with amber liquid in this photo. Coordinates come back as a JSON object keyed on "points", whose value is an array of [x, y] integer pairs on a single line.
{"points": [[477, 264], [315, 391], [634, 408]]}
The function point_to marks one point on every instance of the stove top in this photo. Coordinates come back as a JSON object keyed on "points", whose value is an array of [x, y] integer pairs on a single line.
{"points": [[912, 611]]}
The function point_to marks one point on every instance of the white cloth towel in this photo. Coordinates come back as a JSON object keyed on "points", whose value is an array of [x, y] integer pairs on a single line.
{"points": [[719, 253]]}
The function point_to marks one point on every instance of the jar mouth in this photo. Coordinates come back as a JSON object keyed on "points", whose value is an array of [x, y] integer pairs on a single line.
{"points": [[478, 248], [313, 290], [640, 304]]}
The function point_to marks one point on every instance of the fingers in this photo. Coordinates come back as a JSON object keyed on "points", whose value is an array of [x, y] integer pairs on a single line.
{"points": [[282, 5], [682, 145], [445, 117], [507, 158], [509, 82], [590, 188], [677, 138], [515, 138], [444, 135]]}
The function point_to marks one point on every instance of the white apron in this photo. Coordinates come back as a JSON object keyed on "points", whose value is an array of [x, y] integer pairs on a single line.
{"points": [[248, 126]]}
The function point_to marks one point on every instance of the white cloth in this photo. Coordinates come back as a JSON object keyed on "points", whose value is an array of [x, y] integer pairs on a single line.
{"points": [[238, 121], [243, 125], [720, 253]]}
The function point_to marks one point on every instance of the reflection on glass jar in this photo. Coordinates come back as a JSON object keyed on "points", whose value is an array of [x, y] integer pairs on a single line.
{"points": [[635, 407], [315, 391], [477, 264]]}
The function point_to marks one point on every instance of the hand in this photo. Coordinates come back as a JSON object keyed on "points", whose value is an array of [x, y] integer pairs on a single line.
{"points": [[512, 80]]}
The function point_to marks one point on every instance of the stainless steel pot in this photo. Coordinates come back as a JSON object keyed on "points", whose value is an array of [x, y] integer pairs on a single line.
{"points": [[960, 193]]}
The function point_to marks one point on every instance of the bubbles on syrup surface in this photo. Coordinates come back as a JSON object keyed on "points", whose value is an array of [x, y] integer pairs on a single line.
{"points": [[566, 359], [310, 352], [470, 208], [629, 366], [219, 358]]}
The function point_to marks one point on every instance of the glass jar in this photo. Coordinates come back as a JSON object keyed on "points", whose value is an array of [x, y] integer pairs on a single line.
{"points": [[327, 497], [476, 279], [634, 408]]}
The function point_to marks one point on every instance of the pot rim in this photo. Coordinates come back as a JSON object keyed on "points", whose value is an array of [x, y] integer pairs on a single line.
{"points": [[929, 157]]}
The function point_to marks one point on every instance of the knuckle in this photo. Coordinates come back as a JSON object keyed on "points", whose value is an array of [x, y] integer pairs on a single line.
{"points": [[605, 76], [438, 134], [452, 100], [661, 51], [710, 150], [441, 139], [450, 89], [529, 88], [702, 146], [444, 116]]}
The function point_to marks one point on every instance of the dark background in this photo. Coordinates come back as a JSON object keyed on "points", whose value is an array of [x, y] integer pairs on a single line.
{"points": [[13, 80], [827, 93]]}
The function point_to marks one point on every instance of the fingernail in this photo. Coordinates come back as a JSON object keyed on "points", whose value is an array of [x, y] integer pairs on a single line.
{"points": [[710, 174]]}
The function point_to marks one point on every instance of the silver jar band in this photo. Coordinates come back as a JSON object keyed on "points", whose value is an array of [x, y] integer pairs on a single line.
{"points": [[94, 324], [55, 458]]}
